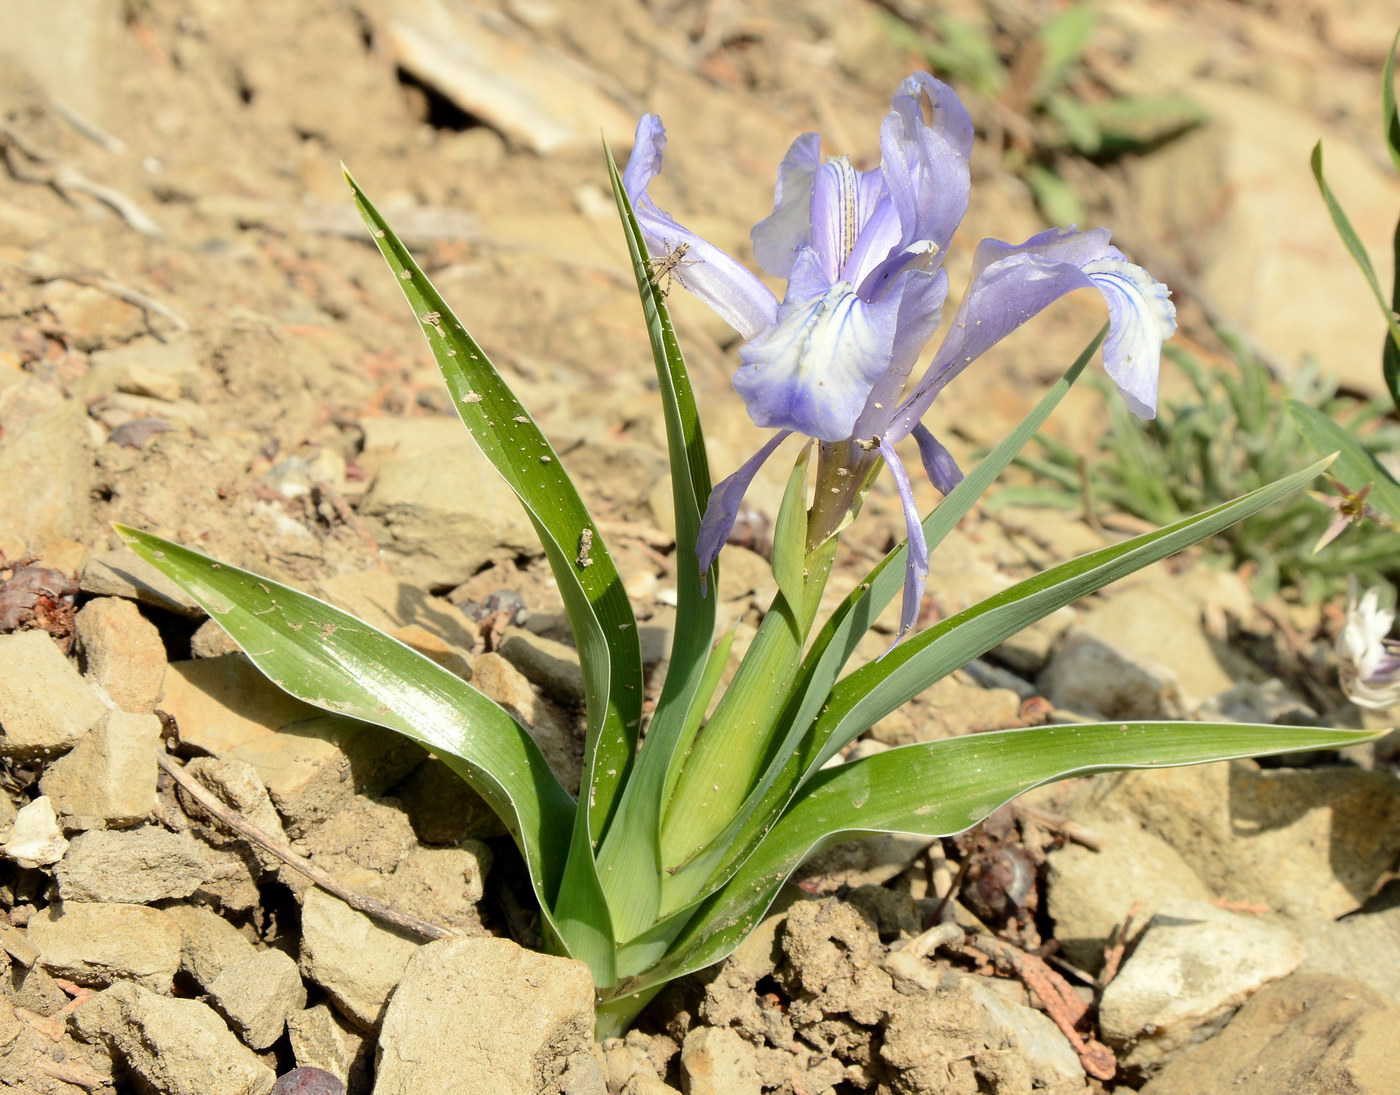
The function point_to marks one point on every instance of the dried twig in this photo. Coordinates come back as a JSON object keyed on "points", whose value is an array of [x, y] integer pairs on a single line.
{"points": [[367, 905], [1117, 947]]}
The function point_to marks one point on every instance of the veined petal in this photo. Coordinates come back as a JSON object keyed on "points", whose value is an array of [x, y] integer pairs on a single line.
{"points": [[726, 285], [780, 235], [1011, 283], [813, 370], [921, 294], [722, 508], [916, 570], [925, 165], [940, 467]]}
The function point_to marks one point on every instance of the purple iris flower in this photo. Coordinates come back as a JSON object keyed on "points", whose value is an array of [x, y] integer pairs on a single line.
{"points": [[862, 254]]}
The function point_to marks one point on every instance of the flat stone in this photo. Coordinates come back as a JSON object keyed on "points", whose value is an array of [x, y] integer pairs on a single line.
{"points": [[122, 652], [552, 665], [134, 866], [90, 317], [36, 839], [210, 640], [45, 705], [483, 1016], [108, 780], [1306, 1033], [502, 682], [1090, 893], [161, 370], [432, 532], [176, 1047], [209, 944], [221, 703], [1312, 844], [1194, 965], [46, 469], [257, 993], [321, 1039], [123, 573], [313, 766], [952, 707], [355, 960], [98, 943], [717, 1061], [1097, 678], [1364, 946]]}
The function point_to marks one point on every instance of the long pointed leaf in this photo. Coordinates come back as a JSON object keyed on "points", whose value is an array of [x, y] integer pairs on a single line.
{"points": [[328, 658], [948, 786], [604, 628]]}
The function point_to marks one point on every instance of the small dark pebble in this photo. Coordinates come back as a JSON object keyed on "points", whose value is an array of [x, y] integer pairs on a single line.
{"points": [[308, 1081], [503, 600]]}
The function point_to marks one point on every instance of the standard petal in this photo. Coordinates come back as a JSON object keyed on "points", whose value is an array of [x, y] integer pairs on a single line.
{"points": [[726, 285], [940, 467], [916, 569], [723, 506], [921, 294], [813, 370], [1012, 283], [780, 235]]}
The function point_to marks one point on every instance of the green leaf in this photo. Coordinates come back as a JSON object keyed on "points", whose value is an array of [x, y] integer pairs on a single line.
{"points": [[326, 657], [945, 787], [1137, 122], [837, 641], [1355, 467], [1390, 117], [1056, 198], [605, 631], [630, 856], [1353, 243], [876, 689], [790, 533]]}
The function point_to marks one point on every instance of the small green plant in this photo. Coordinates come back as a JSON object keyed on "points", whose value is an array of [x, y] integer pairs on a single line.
{"points": [[1230, 434], [1041, 101], [681, 837]]}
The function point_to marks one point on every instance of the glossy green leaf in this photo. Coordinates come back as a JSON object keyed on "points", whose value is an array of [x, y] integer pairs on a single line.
{"points": [[945, 787], [1390, 118], [328, 658], [630, 856], [1355, 468], [604, 629], [876, 689]]}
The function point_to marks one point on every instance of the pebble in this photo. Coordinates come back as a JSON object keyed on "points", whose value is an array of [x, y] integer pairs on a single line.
{"points": [[175, 1047], [108, 780], [122, 652], [45, 705], [484, 1016], [1194, 965], [36, 839], [98, 943], [136, 866], [354, 959]]}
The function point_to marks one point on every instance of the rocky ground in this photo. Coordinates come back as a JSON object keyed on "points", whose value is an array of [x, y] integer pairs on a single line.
{"points": [[197, 339]]}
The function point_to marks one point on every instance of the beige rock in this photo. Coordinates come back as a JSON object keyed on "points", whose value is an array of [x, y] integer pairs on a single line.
{"points": [[1363, 947], [209, 944], [442, 807], [122, 652], [483, 1016], [311, 767], [90, 317], [160, 370], [177, 1047], [109, 778], [384, 601], [355, 960], [717, 1061], [123, 573], [238, 785], [210, 641], [1090, 893], [1311, 844], [321, 1039], [98, 943], [553, 666], [505, 684], [257, 993], [45, 705], [222, 703], [1194, 965], [136, 866], [36, 839], [45, 467], [1306, 1033]]}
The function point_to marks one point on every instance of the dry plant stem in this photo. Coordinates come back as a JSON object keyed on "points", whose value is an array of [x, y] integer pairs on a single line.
{"points": [[367, 905], [1118, 946]]}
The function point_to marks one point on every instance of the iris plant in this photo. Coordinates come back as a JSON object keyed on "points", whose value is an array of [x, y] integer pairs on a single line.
{"points": [[680, 839], [862, 254]]}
